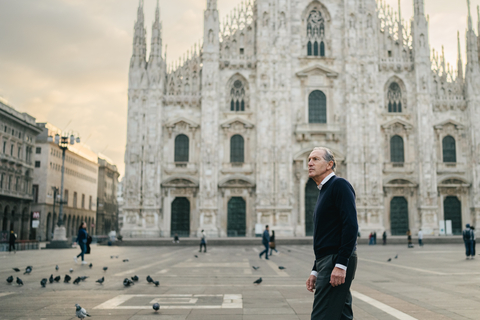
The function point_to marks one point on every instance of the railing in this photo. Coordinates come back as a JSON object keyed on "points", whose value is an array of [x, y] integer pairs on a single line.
{"points": [[20, 245]]}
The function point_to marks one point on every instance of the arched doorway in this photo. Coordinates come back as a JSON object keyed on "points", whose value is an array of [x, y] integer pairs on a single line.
{"points": [[399, 216], [237, 218], [311, 195], [180, 217], [452, 210]]}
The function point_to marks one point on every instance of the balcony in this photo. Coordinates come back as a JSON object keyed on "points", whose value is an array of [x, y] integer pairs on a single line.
{"points": [[181, 167], [237, 167], [450, 167], [398, 167]]}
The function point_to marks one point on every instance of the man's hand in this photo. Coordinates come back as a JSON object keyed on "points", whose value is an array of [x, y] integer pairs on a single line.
{"points": [[338, 277], [311, 283]]}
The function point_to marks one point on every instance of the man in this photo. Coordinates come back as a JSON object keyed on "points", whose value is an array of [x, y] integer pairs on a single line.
{"points": [[334, 240], [420, 238], [11, 242], [468, 240], [384, 237], [265, 242], [203, 242]]}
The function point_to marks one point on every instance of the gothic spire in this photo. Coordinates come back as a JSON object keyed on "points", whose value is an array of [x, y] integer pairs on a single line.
{"points": [[469, 16], [400, 25], [211, 4], [419, 7], [156, 44], [459, 59], [139, 41], [472, 45]]}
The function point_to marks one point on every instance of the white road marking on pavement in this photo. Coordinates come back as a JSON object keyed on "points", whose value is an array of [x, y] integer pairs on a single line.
{"points": [[132, 271], [247, 271], [274, 266], [404, 267], [3, 294], [168, 301], [256, 250], [385, 308], [162, 271]]}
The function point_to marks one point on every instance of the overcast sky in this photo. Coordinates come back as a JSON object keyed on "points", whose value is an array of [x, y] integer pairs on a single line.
{"points": [[66, 61]]}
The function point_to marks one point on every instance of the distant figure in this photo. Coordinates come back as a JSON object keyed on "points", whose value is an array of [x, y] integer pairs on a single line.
{"points": [[468, 236], [409, 238], [265, 242], [175, 238], [474, 240], [374, 237], [82, 242], [384, 237], [272, 243], [420, 238], [370, 239], [11, 242], [203, 242]]}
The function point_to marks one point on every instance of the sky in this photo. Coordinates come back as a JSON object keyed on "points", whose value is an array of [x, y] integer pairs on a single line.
{"points": [[66, 61]]}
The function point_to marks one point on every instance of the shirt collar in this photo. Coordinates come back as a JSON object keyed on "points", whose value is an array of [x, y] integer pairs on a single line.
{"points": [[325, 180]]}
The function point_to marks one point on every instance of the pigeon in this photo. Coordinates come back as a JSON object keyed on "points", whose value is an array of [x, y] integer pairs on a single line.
{"points": [[289, 250], [10, 279], [56, 267], [51, 279], [156, 283], [389, 259], [105, 268], [255, 268], [156, 306], [396, 257], [67, 278], [196, 256], [135, 278], [149, 279], [258, 281], [71, 270], [90, 265], [281, 267], [80, 312], [111, 257], [83, 278], [101, 280], [19, 281], [125, 260], [127, 282], [16, 269], [28, 270], [57, 278], [44, 282], [77, 281], [116, 257]]}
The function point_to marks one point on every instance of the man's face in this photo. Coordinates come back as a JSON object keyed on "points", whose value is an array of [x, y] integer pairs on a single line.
{"points": [[317, 165]]}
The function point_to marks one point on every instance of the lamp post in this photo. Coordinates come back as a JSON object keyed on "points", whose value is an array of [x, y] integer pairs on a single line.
{"points": [[60, 234]]}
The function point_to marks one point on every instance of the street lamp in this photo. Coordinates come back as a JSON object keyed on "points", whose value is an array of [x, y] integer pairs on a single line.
{"points": [[60, 234]]}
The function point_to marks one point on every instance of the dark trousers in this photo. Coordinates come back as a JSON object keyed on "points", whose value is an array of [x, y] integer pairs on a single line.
{"points": [[469, 248], [204, 245], [333, 303], [420, 242], [473, 248], [83, 248], [264, 251], [10, 246]]}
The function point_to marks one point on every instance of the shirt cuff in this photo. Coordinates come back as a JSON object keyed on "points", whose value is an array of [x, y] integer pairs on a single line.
{"points": [[341, 266], [314, 273]]}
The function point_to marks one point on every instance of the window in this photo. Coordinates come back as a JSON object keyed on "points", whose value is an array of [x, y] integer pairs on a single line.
{"points": [[315, 34], [17, 184], [10, 178], [449, 149], [317, 107], [237, 149], [37, 164], [11, 149], [2, 179], [38, 150], [181, 148], [5, 129], [74, 199], [4, 146], [19, 152], [396, 149], [65, 197], [90, 203], [83, 201], [394, 97], [237, 96], [35, 193]]}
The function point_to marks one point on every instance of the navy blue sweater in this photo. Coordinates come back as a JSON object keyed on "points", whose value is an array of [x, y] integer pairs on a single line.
{"points": [[335, 225]]}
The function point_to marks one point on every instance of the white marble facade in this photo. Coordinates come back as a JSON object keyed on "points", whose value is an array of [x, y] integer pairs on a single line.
{"points": [[237, 117]]}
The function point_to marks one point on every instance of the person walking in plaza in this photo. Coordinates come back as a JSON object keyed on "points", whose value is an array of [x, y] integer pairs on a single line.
{"points": [[11, 242], [420, 238], [374, 237], [409, 239], [334, 240], [468, 236], [384, 237], [370, 239], [272, 243], [175, 238], [82, 242], [203, 242], [265, 242], [474, 241]]}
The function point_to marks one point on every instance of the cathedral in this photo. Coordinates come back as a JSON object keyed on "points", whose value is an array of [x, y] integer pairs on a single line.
{"points": [[219, 140]]}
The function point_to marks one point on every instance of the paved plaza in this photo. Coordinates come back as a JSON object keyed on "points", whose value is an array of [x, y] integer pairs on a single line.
{"points": [[433, 282]]}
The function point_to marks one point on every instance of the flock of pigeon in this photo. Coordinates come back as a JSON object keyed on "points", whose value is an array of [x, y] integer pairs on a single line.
{"points": [[259, 280]]}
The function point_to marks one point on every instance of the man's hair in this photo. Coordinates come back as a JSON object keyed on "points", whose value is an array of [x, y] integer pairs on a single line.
{"points": [[266, 226], [328, 156]]}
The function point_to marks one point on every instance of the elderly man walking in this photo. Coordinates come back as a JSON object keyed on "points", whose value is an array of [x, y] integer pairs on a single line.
{"points": [[334, 240]]}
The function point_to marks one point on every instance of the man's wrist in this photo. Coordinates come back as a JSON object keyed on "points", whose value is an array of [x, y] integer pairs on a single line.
{"points": [[314, 273], [341, 266]]}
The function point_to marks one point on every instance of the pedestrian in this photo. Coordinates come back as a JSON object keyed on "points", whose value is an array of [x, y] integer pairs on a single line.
{"points": [[89, 241], [176, 239], [272, 243], [420, 238], [82, 242], [265, 242], [370, 239], [474, 241], [374, 237], [11, 242], [203, 242], [409, 238], [384, 237], [468, 240], [334, 240]]}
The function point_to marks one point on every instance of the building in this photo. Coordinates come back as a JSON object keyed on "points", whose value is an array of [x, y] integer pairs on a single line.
{"points": [[107, 206], [17, 140], [219, 140], [120, 203], [80, 184]]}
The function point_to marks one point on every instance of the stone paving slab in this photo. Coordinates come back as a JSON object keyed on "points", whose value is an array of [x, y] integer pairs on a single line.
{"points": [[433, 282]]}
